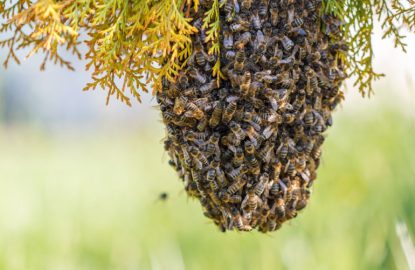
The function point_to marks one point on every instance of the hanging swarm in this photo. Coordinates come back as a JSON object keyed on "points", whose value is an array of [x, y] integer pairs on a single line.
{"points": [[249, 149]]}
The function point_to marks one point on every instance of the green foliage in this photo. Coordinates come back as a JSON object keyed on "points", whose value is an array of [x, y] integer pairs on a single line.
{"points": [[134, 44], [358, 25]]}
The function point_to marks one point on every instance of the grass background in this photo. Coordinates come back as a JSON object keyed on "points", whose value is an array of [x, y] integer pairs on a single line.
{"points": [[89, 201]]}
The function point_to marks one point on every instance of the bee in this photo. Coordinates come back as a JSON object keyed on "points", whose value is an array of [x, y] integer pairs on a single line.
{"points": [[210, 175], [256, 21], [227, 39], [228, 112], [237, 130], [263, 8], [246, 83], [241, 25], [287, 43], [199, 55], [251, 201], [249, 147], [301, 162], [260, 44], [290, 167], [269, 131], [253, 164], [299, 100], [275, 189], [316, 154], [260, 186], [198, 156], [239, 62], [243, 40], [279, 208], [214, 198], [274, 13], [230, 55], [254, 136], [193, 111], [297, 22], [237, 173], [229, 9], [246, 4], [235, 186], [216, 115], [311, 6], [186, 158], [179, 105], [240, 222], [238, 158], [309, 118], [208, 87], [265, 152], [194, 74], [308, 147], [212, 146]]}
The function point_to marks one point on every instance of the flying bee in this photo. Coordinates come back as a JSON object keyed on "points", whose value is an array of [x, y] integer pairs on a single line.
{"points": [[237, 130], [194, 74], [216, 115], [274, 13], [243, 40], [287, 43], [239, 62], [228, 112], [256, 21], [238, 158], [227, 39]]}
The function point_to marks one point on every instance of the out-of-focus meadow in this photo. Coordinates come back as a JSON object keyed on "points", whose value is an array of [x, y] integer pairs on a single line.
{"points": [[79, 184]]}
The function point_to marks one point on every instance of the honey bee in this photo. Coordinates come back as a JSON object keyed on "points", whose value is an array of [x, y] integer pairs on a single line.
{"points": [[237, 130], [239, 62], [253, 164], [214, 198], [263, 8], [297, 22], [216, 115], [260, 186], [208, 87], [227, 39], [179, 105], [186, 158], [269, 131], [240, 222], [194, 74], [260, 44], [279, 208], [287, 43], [243, 40], [238, 158], [275, 189], [229, 9], [249, 147], [265, 152], [254, 136], [274, 13], [251, 201], [198, 156], [301, 162], [246, 83], [193, 111], [228, 112], [241, 25], [246, 4], [256, 21], [290, 167], [235, 186], [212, 146], [230, 55]]}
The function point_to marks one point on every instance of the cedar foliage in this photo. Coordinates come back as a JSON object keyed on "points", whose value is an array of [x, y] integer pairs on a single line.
{"points": [[132, 45]]}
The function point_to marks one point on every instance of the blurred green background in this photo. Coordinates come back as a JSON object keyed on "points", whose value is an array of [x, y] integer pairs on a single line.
{"points": [[79, 184]]}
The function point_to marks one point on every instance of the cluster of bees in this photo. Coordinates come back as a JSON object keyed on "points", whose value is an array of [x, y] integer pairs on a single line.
{"points": [[249, 148]]}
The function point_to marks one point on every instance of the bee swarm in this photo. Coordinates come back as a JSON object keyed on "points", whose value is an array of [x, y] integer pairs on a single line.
{"points": [[249, 149]]}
